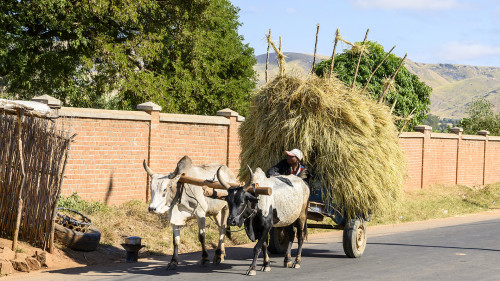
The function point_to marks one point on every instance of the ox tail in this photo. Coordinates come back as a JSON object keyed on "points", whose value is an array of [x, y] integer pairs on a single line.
{"points": [[228, 233], [305, 227]]}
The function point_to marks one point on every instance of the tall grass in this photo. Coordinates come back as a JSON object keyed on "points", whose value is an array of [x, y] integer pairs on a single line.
{"points": [[441, 201]]}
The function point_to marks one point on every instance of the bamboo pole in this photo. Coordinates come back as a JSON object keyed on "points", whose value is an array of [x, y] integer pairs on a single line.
{"points": [[337, 36], [359, 59], [392, 78], [58, 193], [15, 236], [267, 57], [373, 73], [315, 48]]}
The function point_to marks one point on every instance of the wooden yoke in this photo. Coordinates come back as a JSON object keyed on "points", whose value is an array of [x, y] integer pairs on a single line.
{"points": [[216, 185]]}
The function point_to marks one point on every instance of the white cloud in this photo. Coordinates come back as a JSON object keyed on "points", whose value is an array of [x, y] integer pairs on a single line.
{"points": [[419, 5], [457, 51]]}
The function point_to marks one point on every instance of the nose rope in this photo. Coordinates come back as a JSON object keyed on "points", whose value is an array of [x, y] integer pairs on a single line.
{"points": [[244, 209]]}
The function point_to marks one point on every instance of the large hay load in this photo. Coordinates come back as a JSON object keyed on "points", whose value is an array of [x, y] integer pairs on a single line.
{"points": [[349, 140]]}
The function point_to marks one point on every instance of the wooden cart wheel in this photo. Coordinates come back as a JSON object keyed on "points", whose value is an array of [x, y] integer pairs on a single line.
{"points": [[354, 238], [278, 240]]}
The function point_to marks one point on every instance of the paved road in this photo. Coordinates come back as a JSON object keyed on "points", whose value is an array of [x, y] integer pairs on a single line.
{"points": [[464, 248]]}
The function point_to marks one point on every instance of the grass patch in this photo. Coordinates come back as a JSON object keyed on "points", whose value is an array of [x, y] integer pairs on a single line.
{"points": [[133, 219], [441, 201], [20, 250]]}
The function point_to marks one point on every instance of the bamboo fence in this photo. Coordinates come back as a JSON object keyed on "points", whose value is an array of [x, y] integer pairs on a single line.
{"points": [[33, 154]]}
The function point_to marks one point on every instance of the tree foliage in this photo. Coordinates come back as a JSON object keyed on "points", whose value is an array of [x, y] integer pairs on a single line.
{"points": [[412, 94], [481, 116], [185, 55], [439, 124]]}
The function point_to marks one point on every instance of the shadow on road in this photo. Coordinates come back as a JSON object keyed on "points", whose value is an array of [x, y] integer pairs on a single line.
{"points": [[433, 246], [321, 253], [190, 262]]}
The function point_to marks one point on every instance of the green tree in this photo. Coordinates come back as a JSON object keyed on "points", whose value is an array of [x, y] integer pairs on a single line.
{"points": [[481, 116], [185, 55], [412, 94], [433, 121]]}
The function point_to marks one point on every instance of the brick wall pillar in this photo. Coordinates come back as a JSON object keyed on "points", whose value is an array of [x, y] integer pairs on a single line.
{"points": [[485, 134], [458, 131], [426, 130], [154, 140], [233, 144]]}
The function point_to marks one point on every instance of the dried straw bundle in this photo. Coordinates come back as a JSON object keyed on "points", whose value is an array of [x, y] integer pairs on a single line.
{"points": [[349, 140]]}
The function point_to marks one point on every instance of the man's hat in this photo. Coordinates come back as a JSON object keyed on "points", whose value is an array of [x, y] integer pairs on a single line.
{"points": [[295, 152]]}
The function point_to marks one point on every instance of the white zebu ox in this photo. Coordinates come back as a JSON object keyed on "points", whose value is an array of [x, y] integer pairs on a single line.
{"points": [[185, 201], [285, 207]]}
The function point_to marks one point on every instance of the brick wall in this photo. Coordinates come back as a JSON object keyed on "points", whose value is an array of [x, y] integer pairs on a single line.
{"points": [[105, 162], [450, 158]]}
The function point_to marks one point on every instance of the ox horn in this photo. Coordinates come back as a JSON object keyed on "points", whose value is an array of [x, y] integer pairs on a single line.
{"points": [[221, 181], [148, 170], [250, 180]]}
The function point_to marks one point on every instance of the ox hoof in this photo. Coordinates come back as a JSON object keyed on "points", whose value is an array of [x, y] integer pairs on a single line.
{"points": [[265, 268], [251, 272], [204, 261], [172, 265], [218, 260], [296, 265], [287, 264]]}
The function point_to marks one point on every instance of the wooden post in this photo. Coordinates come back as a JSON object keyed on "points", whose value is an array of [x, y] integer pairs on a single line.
{"points": [[54, 207], [392, 79], [282, 62], [373, 73], [359, 59], [315, 47], [20, 114], [337, 35], [267, 57]]}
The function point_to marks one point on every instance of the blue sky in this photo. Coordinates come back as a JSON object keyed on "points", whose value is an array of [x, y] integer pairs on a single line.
{"points": [[430, 31]]}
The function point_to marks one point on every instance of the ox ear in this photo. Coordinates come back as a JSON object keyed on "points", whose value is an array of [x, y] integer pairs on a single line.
{"points": [[183, 165], [250, 197]]}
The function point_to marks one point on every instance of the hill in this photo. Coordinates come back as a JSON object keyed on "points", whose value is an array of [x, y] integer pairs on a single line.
{"points": [[454, 86]]}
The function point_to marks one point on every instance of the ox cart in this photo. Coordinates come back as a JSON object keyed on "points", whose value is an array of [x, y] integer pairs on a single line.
{"points": [[354, 229]]}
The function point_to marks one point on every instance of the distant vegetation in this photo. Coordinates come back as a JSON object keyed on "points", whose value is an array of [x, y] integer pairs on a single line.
{"points": [[481, 116], [439, 124]]}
